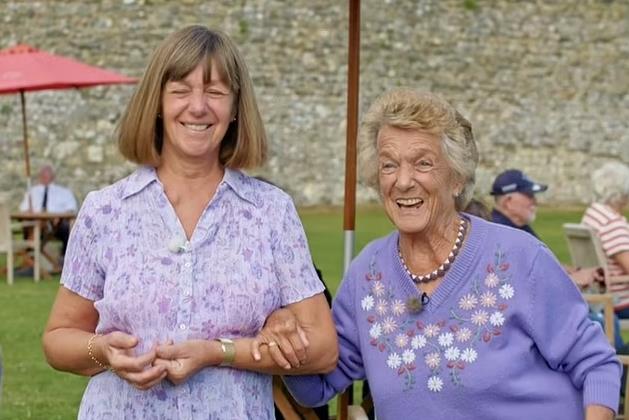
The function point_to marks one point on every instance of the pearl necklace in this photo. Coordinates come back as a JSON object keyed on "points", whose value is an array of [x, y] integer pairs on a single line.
{"points": [[443, 268]]}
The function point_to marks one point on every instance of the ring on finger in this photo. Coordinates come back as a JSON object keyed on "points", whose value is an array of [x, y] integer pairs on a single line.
{"points": [[272, 344]]}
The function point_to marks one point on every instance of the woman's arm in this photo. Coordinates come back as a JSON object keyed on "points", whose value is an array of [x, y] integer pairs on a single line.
{"points": [[569, 342], [622, 258], [186, 358], [70, 328]]}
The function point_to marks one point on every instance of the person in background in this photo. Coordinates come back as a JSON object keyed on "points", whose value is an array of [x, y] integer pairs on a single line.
{"points": [[47, 196], [610, 185], [451, 316], [171, 272], [516, 206], [477, 208], [515, 201]]}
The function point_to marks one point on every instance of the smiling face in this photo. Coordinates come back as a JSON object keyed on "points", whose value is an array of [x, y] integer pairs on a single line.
{"points": [[416, 183], [196, 115]]}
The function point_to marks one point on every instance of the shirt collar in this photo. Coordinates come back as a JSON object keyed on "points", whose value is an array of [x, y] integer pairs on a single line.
{"points": [[243, 186], [240, 183], [139, 180]]}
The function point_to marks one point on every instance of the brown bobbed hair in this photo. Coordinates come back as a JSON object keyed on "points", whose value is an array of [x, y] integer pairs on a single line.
{"points": [[140, 131], [408, 109]]}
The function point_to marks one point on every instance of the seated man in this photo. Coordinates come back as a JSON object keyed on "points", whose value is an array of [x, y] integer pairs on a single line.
{"points": [[515, 202], [50, 197]]}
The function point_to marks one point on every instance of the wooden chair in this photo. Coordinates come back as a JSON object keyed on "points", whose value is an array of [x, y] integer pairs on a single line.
{"points": [[586, 250], [10, 246], [287, 405], [347, 411]]}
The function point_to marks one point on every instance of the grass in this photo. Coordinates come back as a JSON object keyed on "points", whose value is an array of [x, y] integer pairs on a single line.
{"points": [[32, 390]]}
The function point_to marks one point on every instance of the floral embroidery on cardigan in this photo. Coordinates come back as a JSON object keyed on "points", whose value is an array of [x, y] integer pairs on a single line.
{"points": [[444, 347]]}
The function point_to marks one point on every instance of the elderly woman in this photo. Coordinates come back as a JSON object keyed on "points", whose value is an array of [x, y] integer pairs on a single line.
{"points": [[172, 271], [451, 316], [610, 184]]}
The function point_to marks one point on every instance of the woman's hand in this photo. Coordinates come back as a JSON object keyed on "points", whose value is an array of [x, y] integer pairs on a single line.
{"points": [[184, 359], [117, 351], [598, 412], [286, 339]]}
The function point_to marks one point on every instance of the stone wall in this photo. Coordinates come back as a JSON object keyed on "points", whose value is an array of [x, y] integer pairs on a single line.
{"points": [[544, 83]]}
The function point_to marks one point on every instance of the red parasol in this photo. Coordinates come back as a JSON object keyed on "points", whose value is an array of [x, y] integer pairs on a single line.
{"points": [[24, 68]]}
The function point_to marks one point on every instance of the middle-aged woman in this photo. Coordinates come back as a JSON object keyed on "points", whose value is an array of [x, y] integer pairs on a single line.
{"points": [[171, 272], [450, 316], [610, 185]]}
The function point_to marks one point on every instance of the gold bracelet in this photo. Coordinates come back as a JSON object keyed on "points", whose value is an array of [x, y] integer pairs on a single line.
{"points": [[90, 352], [229, 351]]}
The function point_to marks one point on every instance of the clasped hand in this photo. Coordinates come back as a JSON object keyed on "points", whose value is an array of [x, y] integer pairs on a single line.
{"points": [[175, 362], [286, 340]]}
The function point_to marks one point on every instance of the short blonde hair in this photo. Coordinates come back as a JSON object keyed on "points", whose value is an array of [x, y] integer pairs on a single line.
{"points": [[140, 132], [610, 183], [408, 109]]}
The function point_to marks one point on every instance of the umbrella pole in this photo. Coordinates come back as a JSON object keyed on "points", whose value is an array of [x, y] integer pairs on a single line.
{"points": [[27, 159], [349, 213]]}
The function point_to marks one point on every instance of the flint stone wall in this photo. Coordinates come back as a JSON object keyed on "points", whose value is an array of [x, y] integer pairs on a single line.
{"points": [[545, 84]]}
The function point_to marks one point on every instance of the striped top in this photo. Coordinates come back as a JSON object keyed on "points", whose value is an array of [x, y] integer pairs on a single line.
{"points": [[613, 230]]}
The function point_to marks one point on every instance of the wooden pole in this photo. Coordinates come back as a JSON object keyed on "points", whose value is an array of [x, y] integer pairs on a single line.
{"points": [[25, 136], [27, 159], [349, 213]]}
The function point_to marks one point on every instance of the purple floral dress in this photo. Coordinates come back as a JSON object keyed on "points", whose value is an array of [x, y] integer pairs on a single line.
{"points": [[248, 256]]}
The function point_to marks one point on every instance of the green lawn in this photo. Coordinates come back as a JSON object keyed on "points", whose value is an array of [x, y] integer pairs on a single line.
{"points": [[32, 390]]}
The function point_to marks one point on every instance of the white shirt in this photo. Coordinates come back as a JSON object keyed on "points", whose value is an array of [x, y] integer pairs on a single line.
{"points": [[60, 199]]}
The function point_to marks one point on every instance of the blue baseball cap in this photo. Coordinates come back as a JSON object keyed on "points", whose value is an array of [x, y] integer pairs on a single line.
{"points": [[514, 180]]}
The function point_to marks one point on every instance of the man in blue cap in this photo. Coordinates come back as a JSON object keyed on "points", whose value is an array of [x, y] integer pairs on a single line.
{"points": [[515, 202]]}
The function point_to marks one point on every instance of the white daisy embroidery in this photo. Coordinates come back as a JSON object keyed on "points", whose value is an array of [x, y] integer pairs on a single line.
{"points": [[431, 330], [463, 335], [382, 307], [401, 340], [375, 331], [367, 303], [398, 307], [418, 342], [506, 291], [432, 360], [469, 355], [378, 288], [445, 339], [394, 361], [479, 317], [408, 357], [468, 302], [488, 299], [497, 319], [435, 384], [389, 325], [452, 353], [492, 280]]}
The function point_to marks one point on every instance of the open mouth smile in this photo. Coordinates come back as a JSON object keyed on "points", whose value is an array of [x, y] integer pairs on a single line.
{"points": [[196, 127], [409, 202]]}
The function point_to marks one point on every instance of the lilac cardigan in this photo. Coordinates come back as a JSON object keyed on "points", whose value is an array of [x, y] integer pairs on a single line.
{"points": [[505, 336]]}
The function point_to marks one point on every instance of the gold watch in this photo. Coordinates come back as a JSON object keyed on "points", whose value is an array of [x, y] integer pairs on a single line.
{"points": [[229, 351]]}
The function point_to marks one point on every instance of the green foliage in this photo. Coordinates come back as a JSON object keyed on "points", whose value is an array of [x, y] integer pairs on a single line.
{"points": [[32, 390], [470, 4], [243, 27], [6, 109]]}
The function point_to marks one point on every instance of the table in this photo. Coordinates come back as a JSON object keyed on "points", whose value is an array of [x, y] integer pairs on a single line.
{"points": [[44, 218]]}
